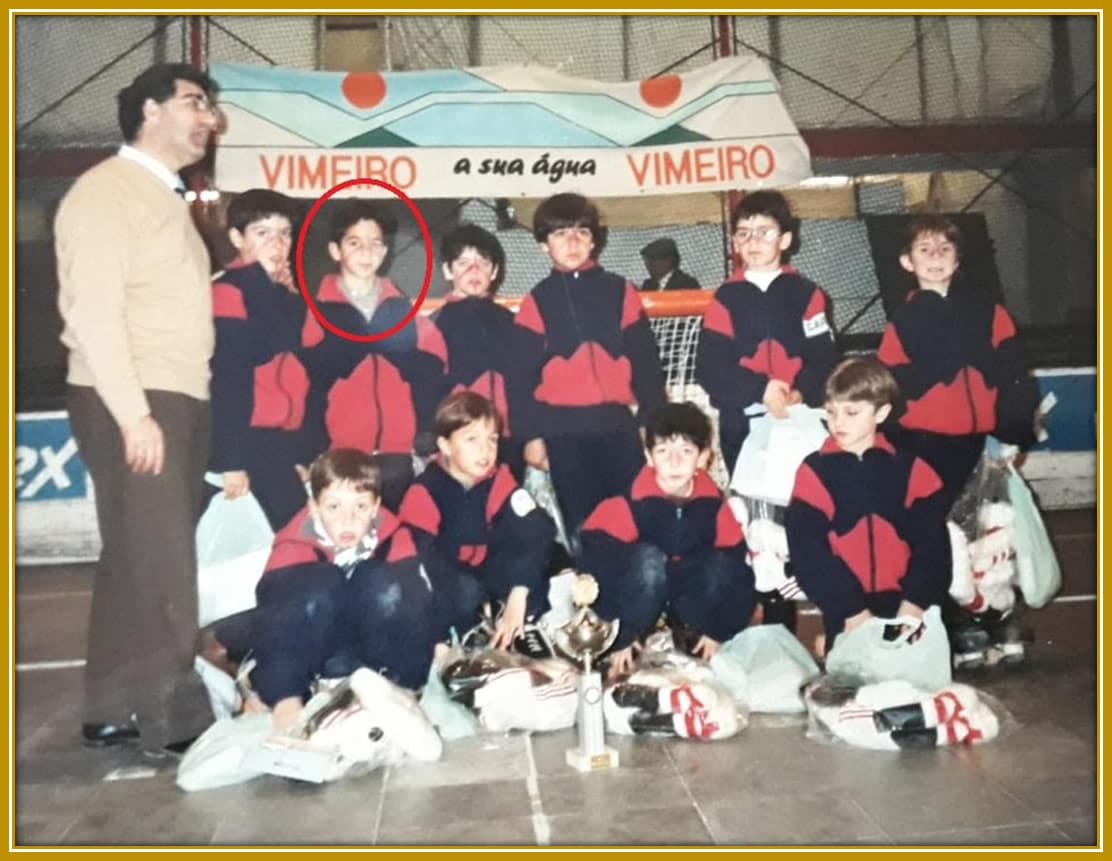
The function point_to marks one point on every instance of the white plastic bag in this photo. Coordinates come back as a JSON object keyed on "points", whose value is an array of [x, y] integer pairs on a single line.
{"points": [[896, 715], [538, 697], [764, 666], [221, 755], [539, 485], [671, 703], [919, 653], [233, 544], [773, 451], [674, 694], [1040, 576]]}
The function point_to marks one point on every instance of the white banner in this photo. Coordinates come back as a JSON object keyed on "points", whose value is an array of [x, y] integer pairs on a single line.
{"points": [[506, 131]]}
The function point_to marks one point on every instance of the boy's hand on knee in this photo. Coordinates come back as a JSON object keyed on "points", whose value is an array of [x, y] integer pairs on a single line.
{"points": [[909, 609], [536, 454], [511, 624], [705, 648]]}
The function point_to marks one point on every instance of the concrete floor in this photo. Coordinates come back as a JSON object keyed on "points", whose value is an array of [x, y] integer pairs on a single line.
{"points": [[1036, 785]]}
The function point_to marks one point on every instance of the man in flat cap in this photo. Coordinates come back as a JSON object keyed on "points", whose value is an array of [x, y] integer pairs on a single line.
{"points": [[662, 260]]}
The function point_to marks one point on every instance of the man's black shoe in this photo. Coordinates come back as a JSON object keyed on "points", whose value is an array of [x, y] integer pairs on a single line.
{"points": [[109, 734]]}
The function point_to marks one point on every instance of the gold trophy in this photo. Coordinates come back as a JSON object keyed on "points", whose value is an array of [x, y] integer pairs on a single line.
{"points": [[583, 639]]}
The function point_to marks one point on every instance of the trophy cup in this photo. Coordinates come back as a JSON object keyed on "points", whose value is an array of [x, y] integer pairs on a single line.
{"points": [[583, 639]]}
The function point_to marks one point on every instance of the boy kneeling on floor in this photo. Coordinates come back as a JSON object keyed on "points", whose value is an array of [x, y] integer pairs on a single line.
{"points": [[343, 588], [670, 541]]}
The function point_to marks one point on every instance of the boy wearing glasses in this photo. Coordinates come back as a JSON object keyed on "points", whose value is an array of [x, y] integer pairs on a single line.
{"points": [[478, 333], [766, 342], [376, 396], [587, 356]]}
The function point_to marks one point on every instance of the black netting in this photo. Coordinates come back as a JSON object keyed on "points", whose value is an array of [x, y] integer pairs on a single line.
{"points": [[908, 73]]}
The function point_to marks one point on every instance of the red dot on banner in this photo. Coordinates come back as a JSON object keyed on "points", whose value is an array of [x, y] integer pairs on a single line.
{"points": [[661, 92], [364, 89]]}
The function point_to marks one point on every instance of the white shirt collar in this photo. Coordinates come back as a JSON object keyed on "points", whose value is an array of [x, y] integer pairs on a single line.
{"points": [[664, 281], [172, 180]]}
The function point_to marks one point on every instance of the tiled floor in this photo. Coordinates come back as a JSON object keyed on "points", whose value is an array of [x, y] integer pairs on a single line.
{"points": [[1035, 785]]}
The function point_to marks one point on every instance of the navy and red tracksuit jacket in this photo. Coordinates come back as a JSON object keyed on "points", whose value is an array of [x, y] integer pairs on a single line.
{"points": [[751, 336], [258, 380], [587, 355], [375, 396], [865, 532], [958, 364], [481, 338], [683, 529], [299, 543], [492, 529]]}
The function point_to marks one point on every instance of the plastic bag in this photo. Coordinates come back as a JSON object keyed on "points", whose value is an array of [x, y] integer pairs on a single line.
{"points": [[1005, 539], [764, 667], [220, 755], [766, 541], [358, 724], [773, 451], [673, 694], [539, 696], [511, 691], [897, 715], [451, 718], [220, 687], [1040, 576], [233, 544], [653, 702], [540, 487], [905, 648]]}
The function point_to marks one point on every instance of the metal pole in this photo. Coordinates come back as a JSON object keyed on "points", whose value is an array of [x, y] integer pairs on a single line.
{"points": [[730, 200], [196, 47]]}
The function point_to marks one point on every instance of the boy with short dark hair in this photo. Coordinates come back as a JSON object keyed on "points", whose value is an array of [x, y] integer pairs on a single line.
{"points": [[866, 523], [343, 587], [953, 350], [670, 540], [766, 341], [483, 536], [377, 396], [479, 334], [258, 383], [588, 356]]}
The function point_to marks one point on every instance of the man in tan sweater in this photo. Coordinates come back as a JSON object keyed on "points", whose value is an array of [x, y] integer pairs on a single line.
{"points": [[136, 302]]}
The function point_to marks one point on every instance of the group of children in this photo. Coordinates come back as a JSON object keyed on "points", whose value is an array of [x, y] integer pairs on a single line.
{"points": [[572, 384]]}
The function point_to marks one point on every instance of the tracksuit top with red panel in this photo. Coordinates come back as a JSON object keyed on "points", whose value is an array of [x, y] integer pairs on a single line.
{"points": [[587, 355], [861, 526], [751, 336], [258, 380], [682, 528], [300, 543], [480, 338], [374, 396], [957, 361], [468, 526]]}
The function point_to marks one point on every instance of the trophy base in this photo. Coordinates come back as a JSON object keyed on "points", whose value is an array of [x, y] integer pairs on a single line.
{"points": [[582, 761]]}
